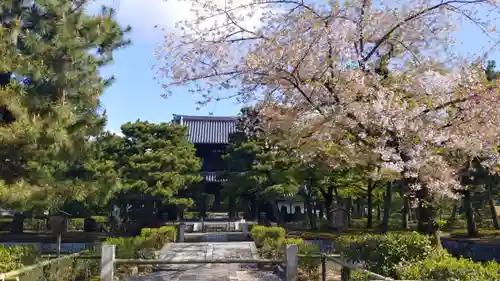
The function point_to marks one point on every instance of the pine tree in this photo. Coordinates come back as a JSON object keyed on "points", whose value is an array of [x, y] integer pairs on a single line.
{"points": [[50, 89], [155, 162], [491, 72], [260, 170]]}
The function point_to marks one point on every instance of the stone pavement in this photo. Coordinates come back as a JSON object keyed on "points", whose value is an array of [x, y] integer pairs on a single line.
{"points": [[209, 272]]}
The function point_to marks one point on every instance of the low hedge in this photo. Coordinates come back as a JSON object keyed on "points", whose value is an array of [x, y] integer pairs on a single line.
{"points": [[260, 233], [142, 245], [442, 266], [411, 256], [383, 254], [40, 225], [14, 257], [271, 242]]}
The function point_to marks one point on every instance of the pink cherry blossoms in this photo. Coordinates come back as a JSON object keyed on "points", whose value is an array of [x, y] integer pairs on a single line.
{"points": [[379, 80]]}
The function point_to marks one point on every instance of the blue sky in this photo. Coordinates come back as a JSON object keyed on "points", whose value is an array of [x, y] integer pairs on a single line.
{"points": [[135, 95]]}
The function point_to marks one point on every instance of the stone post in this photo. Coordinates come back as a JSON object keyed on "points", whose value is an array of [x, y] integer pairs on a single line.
{"points": [[292, 263], [182, 231], [244, 227], [107, 262]]}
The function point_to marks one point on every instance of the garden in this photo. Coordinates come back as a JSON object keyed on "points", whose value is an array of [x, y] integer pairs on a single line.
{"points": [[401, 256], [363, 131], [28, 264]]}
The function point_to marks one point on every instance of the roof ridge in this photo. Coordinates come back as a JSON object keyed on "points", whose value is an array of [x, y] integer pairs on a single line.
{"points": [[206, 118]]}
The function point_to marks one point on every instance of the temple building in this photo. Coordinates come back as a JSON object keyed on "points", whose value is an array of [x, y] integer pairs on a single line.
{"points": [[210, 136]]}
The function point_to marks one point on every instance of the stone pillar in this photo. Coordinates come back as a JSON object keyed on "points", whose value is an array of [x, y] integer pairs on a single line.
{"points": [[107, 262], [244, 227], [292, 263], [182, 231]]}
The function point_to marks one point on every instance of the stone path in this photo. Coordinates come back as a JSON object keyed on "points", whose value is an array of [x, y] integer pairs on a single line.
{"points": [[209, 272]]}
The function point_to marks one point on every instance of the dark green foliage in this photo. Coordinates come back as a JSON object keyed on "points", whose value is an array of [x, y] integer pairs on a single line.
{"points": [[153, 159], [258, 168], [384, 254], [142, 245], [15, 257], [271, 242], [442, 266], [260, 233], [50, 107], [491, 72]]}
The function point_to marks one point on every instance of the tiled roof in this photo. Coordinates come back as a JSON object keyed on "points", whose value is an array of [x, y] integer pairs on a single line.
{"points": [[207, 129]]}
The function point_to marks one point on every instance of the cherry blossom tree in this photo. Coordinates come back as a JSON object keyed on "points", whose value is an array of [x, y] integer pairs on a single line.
{"points": [[381, 79]]}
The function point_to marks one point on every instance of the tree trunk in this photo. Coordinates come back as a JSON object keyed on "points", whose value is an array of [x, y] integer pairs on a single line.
{"points": [[469, 213], [387, 208], [426, 217], [338, 198], [454, 213], [277, 214], [328, 195], [494, 215], [379, 213], [406, 213], [310, 214], [231, 208], [254, 210], [17, 226], [349, 211], [491, 203], [369, 204]]}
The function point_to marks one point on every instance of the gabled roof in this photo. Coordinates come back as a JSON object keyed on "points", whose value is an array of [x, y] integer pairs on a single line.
{"points": [[207, 129]]}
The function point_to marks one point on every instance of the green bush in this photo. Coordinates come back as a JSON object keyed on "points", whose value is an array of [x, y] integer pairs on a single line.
{"points": [[383, 254], [441, 266], [250, 226], [191, 215], [157, 237], [260, 233], [76, 224], [15, 257], [128, 247], [37, 225], [271, 242], [142, 245], [294, 241]]}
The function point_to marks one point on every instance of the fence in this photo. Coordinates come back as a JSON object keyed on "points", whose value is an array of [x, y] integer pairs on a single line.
{"points": [[203, 226], [347, 268], [67, 265], [108, 262], [54, 268], [290, 262], [239, 227]]}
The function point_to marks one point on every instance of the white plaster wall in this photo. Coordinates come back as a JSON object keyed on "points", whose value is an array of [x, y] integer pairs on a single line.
{"points": [[293, 205]]}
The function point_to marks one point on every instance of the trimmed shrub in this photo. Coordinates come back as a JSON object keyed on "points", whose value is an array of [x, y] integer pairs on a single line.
{"points": [[260, 233], [129, 247], [271, 242], [383, 254], [442, 266], [157, 237], [15, 257], [142, 245]]}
